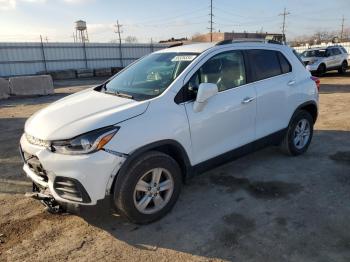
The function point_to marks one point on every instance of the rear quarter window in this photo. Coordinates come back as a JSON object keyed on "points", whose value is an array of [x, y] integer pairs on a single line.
{"points": [[267, 63], [285, 65]]}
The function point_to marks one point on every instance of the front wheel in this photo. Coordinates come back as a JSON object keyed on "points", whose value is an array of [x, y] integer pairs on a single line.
{"points": [[149, 189], [321, 70], [299, 134]]}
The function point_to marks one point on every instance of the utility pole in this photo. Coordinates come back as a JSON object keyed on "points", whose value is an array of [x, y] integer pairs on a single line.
{"points": [[118, 32], [342, 28], [285, 13], [211, 21], [43, 53]]}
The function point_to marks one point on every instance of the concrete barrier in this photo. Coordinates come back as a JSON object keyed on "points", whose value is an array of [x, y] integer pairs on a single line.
{"points": [[61, 74], [31, 85], [4, 88], [85, 72], [103, 71]]}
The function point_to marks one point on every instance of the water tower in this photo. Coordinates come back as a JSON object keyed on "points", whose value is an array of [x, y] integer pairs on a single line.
{"points": [[81, 34]]}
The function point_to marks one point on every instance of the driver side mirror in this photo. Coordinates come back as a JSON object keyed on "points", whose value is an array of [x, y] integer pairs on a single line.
{"points": [[205, 91]]}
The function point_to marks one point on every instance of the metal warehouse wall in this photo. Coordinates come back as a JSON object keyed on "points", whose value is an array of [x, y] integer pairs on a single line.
{"points": [[31, 58]]}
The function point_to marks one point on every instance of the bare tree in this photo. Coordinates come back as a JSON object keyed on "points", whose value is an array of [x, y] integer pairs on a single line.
{"points": [[131, 39], [346, 33]]}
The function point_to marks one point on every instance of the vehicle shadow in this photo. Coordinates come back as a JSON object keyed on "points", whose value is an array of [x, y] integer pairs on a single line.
{"points": [[238, 209]]}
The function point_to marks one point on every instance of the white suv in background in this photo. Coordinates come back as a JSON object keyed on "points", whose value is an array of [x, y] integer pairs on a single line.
{"points": [[321, 60], [171, 114]]}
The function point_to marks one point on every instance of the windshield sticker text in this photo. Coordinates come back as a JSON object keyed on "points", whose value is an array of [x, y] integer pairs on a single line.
{"points": [[183, 58]]}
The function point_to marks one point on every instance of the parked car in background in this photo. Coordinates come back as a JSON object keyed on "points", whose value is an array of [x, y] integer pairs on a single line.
{"points": [[172, 114], [321, 60]]}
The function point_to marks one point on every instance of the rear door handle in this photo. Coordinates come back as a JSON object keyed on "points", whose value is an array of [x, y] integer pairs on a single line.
{"points": [[291, 82], [247, 100]]}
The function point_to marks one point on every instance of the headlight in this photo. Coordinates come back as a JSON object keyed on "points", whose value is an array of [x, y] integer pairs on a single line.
{"points": [[85, 143]]}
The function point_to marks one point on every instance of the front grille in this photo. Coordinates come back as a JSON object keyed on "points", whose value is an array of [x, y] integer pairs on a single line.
{"points": [[71, 189]]}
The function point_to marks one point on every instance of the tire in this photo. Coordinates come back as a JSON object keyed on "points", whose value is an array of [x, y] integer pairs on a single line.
{"points": [[128, 199], [343, 68], [289, 144], [321, 70]]}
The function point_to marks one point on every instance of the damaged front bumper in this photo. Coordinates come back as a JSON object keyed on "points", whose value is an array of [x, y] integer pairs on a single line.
{"points": [[74, 179]]}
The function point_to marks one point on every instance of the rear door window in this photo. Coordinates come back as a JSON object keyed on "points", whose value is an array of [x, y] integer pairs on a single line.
{"points": [[264, 63]]}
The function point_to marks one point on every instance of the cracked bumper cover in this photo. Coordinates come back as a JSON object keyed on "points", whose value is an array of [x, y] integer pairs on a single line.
{"points": [[94, 173]]}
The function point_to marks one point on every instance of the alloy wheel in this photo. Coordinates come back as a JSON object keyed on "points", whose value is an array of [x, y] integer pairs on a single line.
{"points": [[153, 191], [301, 134]]}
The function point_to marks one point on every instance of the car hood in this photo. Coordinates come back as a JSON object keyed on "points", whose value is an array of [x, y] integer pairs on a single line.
{"points": [[82, 112]]}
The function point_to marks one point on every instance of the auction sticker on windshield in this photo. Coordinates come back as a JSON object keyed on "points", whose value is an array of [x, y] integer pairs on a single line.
{"points": [[183, 58]]}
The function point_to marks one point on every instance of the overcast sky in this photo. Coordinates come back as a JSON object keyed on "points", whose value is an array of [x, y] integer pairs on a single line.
{"points": [[25, 20]]}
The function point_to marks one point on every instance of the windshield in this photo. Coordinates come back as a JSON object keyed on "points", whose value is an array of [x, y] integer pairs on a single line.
{"points": [[314, 53], [150, 76]]}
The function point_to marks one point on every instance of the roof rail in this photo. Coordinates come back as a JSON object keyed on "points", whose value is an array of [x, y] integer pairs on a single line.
{"points": [[176, 44], [244, 40]]}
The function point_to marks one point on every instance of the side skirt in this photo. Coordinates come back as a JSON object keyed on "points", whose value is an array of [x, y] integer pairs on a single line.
{"points": [[273, 139]]}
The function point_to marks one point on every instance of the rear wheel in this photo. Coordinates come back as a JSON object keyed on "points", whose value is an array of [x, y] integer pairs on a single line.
{"points": [[343, 68], [299, 134], [149, 189]]}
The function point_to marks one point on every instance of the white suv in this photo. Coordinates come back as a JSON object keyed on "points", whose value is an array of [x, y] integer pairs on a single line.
{"points": [[171, 114], [321, 60]]}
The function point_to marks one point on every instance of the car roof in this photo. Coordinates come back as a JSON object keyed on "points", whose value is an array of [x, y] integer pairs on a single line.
{"points": [[192, 48], [324, 48], [201, 47]]}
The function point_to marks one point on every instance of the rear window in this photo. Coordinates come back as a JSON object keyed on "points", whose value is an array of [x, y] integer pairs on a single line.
{"points": [[344, 50], [267, 63]]}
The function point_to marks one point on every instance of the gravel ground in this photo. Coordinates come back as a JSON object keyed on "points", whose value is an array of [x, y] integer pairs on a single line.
{"points": [[262, 207]]}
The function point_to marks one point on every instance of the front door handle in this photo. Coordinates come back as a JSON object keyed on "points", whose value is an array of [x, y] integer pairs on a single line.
{"points": [[247, 100], [291, 82]]}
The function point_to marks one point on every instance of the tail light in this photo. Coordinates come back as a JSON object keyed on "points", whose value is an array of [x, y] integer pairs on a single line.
{"points": [[317, 81]]}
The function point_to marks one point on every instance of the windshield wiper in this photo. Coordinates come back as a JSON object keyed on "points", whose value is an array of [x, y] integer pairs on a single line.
{"points": [[116, 93]]}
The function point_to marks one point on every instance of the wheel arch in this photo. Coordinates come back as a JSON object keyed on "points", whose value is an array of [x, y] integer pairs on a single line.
{"points": [[324, 64], [169, 147], [309, 106]]}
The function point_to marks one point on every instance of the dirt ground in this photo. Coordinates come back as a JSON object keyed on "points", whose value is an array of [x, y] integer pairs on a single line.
{"points": [[262, 207]]}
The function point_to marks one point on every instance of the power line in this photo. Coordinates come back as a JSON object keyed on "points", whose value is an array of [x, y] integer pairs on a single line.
{"points": [[285, 13]]}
